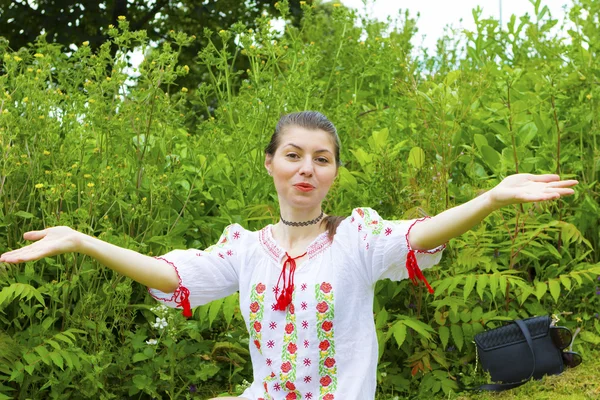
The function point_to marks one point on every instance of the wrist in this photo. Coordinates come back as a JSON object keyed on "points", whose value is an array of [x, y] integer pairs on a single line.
{"points": [[489, 202]]}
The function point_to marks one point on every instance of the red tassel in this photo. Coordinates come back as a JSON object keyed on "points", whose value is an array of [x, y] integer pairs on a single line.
{"points": [[285, 297], [182, 299], [414, 272]]}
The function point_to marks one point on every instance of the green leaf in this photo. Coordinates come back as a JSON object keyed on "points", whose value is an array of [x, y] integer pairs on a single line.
{"points": [[24, 214], [481, 284], [416, 157], [457, 336], [137, 357], [381, 319], [57, 359], [444, 333], [589, 337], [346, 179], [499, 128], [554, 289], [526, 133], [494, 284], [380, 138], [419, 327], [540, 289], [399, 330], [213, 310], [476, 314], [565, 281], [229, 305], [469, 285], [491, 157]]}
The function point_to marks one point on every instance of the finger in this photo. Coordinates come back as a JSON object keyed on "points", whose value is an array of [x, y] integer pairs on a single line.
{"points": [[544, 177], [567, 183], [35, 235]]}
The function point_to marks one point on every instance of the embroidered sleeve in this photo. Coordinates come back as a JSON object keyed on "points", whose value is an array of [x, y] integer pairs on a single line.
{"points": [[385, 250], [204, 275]]}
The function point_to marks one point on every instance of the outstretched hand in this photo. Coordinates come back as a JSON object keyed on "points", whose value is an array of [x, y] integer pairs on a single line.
{"points": [[526, 188], [49, 242]]}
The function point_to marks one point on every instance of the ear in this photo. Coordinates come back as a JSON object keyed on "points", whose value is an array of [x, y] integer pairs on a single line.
{"points": [[268, 162]]}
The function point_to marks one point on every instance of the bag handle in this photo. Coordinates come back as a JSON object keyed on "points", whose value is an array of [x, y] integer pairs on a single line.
{"points": [[498, 387]]}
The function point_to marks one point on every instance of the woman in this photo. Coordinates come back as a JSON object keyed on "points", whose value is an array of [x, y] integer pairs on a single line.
{"points": [[306, 283]]}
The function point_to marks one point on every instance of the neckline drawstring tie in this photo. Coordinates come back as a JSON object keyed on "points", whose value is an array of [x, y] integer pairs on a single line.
{"points": [[285, 297]]}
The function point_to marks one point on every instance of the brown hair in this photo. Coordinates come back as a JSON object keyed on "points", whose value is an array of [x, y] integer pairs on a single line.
{"points": [[316, 121]]}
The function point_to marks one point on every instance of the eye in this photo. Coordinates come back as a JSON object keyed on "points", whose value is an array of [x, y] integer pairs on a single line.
{"points": [[322, 160], [292, 155]]}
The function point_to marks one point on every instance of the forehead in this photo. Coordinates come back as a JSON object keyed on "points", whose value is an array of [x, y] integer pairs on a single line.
{"points": [[307, 138]]}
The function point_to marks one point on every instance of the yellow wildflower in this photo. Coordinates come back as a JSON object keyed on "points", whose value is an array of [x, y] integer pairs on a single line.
{"points": [[121, 18], [108, 78], [111, 26], [337, 5], [47, 172], [23, 155], [41, 117], [186, 69], [589, 96], [38, 55], [86, 43], [69, 174], [184, 89], [46, 153], [29, 69], [17, 58], [39, 185], [90, 185], [302, 3], [87, 176]]}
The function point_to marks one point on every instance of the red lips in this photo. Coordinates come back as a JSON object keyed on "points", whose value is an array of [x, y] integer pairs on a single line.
{"points": [[305, 187]]}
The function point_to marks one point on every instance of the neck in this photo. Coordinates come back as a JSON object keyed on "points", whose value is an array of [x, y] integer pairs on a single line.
{"points": [[294, 234]]}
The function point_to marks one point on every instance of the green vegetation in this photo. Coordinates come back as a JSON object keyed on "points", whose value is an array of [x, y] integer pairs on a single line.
{"points": [[151, 165]]}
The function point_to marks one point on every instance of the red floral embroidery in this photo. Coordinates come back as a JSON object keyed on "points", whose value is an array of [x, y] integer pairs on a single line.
{"points": [[292, 348], [292, 309], [254, 307], [325, 287], [290, 386], [328, 397], [289, 328], [325, 381], [329, 362], [291, 396], [327, 325], [257, 344], [257, 326], [286, 367], [322, 307], [360, 212], [324, 345], [260, 288]]}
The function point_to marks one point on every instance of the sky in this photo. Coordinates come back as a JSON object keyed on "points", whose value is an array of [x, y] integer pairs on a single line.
{"points": [[437, 14]]}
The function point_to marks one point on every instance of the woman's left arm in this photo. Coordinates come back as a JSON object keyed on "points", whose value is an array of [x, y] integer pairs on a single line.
{"points": [[514, 189]]}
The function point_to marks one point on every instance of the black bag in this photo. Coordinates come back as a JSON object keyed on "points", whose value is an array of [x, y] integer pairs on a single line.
{"points": [[517, 352]]}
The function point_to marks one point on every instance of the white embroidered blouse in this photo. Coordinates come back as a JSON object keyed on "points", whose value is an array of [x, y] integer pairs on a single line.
{"points": [[324, 345]]}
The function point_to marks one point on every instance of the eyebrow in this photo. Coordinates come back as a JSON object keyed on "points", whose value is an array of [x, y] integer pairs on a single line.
{"points": [[300, 148]]}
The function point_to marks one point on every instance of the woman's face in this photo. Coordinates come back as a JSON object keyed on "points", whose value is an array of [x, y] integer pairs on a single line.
{"points": [[303, 167]]}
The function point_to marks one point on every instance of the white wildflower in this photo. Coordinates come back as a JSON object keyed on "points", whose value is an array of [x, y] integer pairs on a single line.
{"points": [[151, 342]]}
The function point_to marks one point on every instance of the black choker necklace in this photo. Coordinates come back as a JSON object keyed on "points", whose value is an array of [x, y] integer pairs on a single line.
{"points": [[307, 223]]}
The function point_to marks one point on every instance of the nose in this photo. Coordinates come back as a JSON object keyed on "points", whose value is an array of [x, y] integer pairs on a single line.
{"points": [[307, 167]]}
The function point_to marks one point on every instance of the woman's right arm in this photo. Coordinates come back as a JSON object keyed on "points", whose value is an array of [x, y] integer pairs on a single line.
{"points": [[146, 270]]}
